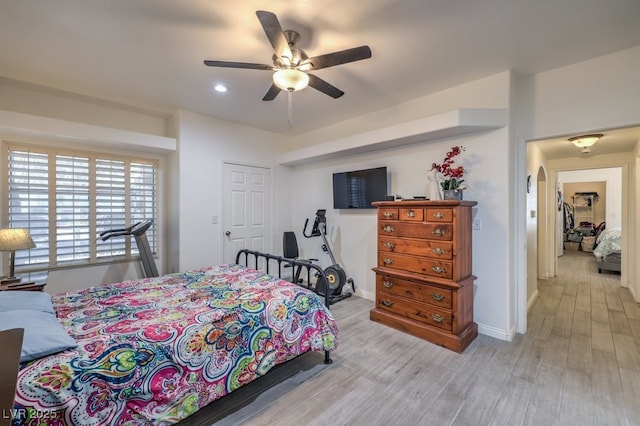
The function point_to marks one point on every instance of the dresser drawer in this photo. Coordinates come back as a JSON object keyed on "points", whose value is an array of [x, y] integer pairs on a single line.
{"points": [[412, 215], [418, 311], [416, 247], [431, 231], [415, 291], [419, 265], [388, 214], [438, 215]]}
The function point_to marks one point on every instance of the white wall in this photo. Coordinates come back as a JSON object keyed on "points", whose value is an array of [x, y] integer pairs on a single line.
{"points": [[353, 233], [204, 143], [45, 102], [601, 93]]}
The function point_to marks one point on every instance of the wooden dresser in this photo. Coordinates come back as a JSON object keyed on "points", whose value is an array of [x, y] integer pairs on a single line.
{"points": [[424, 284]]}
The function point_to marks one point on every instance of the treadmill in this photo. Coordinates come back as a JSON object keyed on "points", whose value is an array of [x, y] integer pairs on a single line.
{"points": [[139, 231]]}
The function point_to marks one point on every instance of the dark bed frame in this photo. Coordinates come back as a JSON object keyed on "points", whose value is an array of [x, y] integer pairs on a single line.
{"points": [[283, 262]]}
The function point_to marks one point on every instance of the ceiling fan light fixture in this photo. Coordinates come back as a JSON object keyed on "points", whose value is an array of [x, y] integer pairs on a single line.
{"points": [[585, 141], [291, 80]]}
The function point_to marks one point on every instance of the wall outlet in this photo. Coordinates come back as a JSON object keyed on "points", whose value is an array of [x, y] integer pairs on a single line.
{"points": [[476, 224], [214, 220]]}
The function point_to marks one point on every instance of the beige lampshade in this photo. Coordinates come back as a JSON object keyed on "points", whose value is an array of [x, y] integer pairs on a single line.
{"points": [[15, 239], [290, 79]]}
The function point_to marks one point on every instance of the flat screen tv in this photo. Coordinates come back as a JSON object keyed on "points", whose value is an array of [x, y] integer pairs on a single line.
{"points": [[357, 189]]}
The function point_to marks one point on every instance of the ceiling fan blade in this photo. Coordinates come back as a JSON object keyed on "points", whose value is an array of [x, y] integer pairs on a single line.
{"points": [[341, 57], [324, 87], [273, 30], [247, 65], [272, 93]]}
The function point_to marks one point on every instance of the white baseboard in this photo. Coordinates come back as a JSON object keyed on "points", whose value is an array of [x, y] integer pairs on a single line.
{"points": [[497, 333]]}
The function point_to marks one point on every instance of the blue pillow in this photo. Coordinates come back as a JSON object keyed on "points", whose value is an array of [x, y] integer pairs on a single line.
{"points": [[25, 300], [43, 334]]}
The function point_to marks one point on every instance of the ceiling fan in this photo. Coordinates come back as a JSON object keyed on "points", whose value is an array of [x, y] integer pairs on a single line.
{"points": [[291, 64]]}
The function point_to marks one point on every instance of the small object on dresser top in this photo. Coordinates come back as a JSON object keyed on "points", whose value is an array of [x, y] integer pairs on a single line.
{"points": [[420, 197]]}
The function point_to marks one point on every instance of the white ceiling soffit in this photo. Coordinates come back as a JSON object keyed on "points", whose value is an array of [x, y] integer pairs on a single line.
{"points": [[453, 123]]}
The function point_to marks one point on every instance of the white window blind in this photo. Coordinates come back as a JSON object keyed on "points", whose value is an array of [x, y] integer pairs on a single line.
{"points": [[67, 199]]}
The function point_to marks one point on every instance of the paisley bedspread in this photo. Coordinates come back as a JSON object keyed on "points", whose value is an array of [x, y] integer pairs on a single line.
{"points": [[153, 351]]}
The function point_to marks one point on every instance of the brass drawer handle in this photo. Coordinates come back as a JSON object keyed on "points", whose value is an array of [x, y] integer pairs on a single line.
{"points": [[387, 214], [437, 318], [389, 245], [438, 269], [438, 215], [439, 232], [387, 228], [437, 297], [439, 251], [387, 284], [411, 213], [388, 261], [387, 303]]}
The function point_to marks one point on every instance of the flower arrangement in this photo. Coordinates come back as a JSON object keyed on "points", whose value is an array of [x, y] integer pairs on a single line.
{"points": [[452, 176]]}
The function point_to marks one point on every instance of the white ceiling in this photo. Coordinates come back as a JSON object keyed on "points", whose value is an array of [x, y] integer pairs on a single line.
{"points": [[149, 53], [613, 141]]}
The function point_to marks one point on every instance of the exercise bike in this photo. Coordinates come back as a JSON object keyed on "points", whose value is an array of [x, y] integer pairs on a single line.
{"points": [[336, 276]]}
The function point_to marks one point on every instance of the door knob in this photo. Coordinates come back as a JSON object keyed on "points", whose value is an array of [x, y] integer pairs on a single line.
{"points": [[227, 233]]}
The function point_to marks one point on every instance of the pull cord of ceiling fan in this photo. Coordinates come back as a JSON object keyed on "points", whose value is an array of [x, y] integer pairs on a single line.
{"points": [[290, 108]]}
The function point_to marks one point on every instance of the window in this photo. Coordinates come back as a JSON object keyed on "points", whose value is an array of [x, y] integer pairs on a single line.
{"points": [[66, 199]]}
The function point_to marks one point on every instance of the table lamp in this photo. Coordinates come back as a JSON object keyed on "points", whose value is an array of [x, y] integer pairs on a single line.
{"points": [[12, 239]]}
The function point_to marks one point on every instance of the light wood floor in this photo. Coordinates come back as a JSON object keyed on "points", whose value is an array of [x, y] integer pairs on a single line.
{"points": [[579, 364]]}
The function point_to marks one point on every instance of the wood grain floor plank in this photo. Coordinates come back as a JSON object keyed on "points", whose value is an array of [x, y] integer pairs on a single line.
{"points": [[577, 399], [601, 337], [556, 351], [567, 303], [631, 393], [563, 323], [512, 402], [619, 323], [605, 380], [544, 405], [579, 355], [599, 312], [627, 352], [581, 323], [613, 301], [631, 307]]}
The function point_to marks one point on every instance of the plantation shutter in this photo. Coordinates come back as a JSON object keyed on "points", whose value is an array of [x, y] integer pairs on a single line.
{"points": [[28, 202], [72, 209], [67, 199]]}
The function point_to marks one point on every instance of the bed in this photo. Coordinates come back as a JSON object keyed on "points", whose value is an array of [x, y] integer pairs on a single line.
{"points": [[608, 250], [155, 350]]}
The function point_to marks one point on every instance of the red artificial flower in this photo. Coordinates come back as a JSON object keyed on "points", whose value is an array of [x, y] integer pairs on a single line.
{"points": [[452, 175]]}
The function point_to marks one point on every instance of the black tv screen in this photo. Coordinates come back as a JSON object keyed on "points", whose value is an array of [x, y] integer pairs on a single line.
{"points": [[359, 188]]}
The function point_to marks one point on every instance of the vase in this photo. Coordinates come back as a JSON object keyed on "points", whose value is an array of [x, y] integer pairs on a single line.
{"points": [[451, 194]]}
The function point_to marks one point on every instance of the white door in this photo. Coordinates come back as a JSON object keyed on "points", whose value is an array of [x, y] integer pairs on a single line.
{"points": [[246, 210]]}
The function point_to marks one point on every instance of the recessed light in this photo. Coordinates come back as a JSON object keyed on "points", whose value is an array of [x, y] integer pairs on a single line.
{"points": [[221, 88]]}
